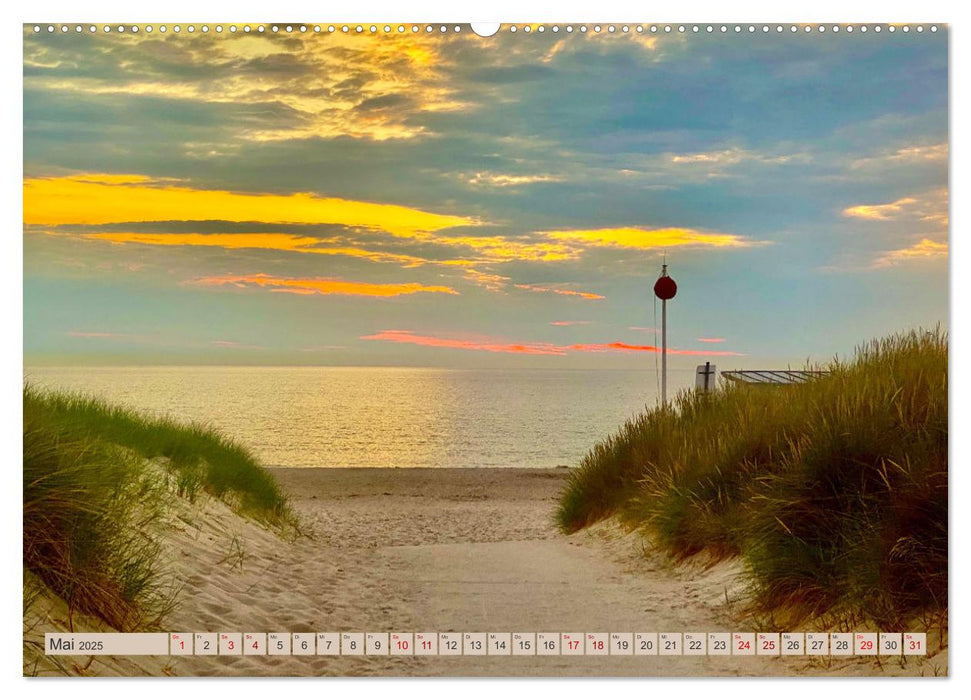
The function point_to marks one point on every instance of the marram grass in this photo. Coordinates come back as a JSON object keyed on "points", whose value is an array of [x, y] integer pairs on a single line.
{"points": [[834, 492], [96, 476]]}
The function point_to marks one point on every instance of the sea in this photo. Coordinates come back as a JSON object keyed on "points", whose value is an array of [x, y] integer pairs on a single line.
{"points": [[384, 416]]}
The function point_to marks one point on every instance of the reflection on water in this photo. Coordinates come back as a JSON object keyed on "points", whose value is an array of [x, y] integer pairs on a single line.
{"points": [[383, 417]]}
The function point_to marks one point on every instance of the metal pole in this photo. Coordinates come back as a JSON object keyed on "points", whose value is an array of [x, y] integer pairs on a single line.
{"points": [[664, 352]]}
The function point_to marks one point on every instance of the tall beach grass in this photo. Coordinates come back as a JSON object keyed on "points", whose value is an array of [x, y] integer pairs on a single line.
{"points": [[96, 476], [834, 492]]}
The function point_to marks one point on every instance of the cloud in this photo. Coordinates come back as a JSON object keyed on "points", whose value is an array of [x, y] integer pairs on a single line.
{"points": [[644, 329], [569, 323], [522, 348], [487, 179], [501, 248], [492, 250], [563, 143], [309, 286], [925, 249], [907, 156], [918, 224], [489, 280], [627, 347], [927, 208], [407, 337], [734, 156], [234, 345], [711, 340], [881, 212], [97, 334], [256, 241], [561, 292], [302, 86], [649, 239], [90, 199]]}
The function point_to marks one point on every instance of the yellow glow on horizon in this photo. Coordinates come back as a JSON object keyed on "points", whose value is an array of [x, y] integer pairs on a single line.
{"points": [[91, 199], [647, 239], [308, 286]]}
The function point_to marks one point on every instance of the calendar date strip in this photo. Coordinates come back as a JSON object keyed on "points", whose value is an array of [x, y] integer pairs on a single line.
{"points": [[486, 644]]}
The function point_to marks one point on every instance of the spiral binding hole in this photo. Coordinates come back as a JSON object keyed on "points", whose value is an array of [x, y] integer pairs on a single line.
{"points": [[513, 29]]}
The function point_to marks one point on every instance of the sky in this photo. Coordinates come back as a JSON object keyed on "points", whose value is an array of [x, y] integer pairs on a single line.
{"points": [[450, 200]]}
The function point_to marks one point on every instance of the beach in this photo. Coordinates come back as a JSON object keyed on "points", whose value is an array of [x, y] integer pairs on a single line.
{"points": [[464, 550]]}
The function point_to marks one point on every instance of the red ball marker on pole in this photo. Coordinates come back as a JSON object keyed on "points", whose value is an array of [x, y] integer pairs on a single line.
{"points": [[665, 288]]}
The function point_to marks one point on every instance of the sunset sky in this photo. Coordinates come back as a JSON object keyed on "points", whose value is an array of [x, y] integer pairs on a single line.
{"points": [[450, 200]]}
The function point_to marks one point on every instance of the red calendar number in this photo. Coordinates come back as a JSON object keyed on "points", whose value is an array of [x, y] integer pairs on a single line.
{"points": [[744, 645]]}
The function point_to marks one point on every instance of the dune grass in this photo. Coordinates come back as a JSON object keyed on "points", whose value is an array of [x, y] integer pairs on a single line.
{"points": [[96, 476], [834, 492]]}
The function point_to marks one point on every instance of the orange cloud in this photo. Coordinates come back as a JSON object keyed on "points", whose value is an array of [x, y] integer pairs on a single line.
{"points": [[410, 338], [231, 241], [711, 340], [922, 217], [881, 212], [569, 323], [321, 286], [562, 292], [926, 210], [522, 348], [649, 239], [925, 249], [97, 199], [627, 347]]}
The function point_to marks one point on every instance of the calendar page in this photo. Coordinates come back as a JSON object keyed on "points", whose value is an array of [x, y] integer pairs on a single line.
{"points": [[514, 349]]}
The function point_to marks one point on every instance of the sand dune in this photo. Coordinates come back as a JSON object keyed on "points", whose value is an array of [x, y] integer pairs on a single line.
{"points": [[442, 550]]}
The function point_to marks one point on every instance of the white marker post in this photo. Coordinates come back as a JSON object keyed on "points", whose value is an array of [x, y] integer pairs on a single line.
{"points": [[664, 351], [665, 288]]}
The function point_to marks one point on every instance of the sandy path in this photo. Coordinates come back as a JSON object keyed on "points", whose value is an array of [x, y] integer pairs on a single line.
{"points": [[446, 550]]}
